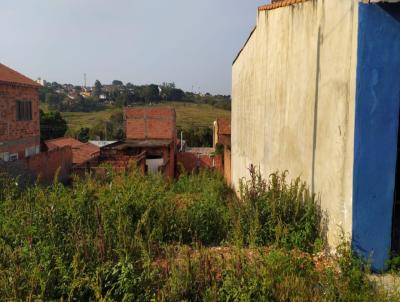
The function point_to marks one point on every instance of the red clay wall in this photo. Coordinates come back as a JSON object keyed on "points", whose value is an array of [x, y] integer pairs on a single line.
{"points": [[46, 164], [170, 168], [15, 135], [192, 161], [150, 123], [43, 165]]}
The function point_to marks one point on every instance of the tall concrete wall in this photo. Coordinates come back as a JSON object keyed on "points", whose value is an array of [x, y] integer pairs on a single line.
{"points": [[294, 101]]}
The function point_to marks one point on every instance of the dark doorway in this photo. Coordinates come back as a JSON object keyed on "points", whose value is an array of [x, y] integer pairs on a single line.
{"points": [[396, 206]]}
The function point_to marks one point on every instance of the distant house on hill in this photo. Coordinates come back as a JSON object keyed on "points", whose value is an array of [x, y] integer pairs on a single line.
{"points": [[316, 91], [19, 115]]}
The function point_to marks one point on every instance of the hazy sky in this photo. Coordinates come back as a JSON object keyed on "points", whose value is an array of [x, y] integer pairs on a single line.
{"points": [[192, 43]]}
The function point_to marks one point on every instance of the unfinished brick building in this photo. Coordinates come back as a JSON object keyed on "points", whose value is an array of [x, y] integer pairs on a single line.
{"points": [[222, 133], [150, 142], [19, 116]]}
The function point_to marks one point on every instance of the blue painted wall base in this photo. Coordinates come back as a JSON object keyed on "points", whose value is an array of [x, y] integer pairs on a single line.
{"points": [[376, 127]]}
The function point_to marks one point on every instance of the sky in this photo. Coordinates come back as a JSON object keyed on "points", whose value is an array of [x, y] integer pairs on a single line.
{"points": [[191, 43]]}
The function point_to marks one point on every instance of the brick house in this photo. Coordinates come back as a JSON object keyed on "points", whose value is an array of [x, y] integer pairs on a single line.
{"points": [[150, 142], [19, 115], [81, 152]]}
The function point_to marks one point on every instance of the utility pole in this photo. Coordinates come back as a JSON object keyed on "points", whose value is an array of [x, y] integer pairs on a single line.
{"points": [[84, 80]]}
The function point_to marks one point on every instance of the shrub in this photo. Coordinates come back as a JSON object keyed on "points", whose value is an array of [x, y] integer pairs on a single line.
{"points": [[278, 212], [134, 237]]}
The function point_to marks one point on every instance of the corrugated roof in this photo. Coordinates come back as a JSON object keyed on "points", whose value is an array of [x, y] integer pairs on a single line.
{"points": [[10, 76], [278, 4], [147, 143]]}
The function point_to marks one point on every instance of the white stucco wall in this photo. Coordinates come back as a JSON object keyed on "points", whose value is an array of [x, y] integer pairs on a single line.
{"points": [[294, 101]]}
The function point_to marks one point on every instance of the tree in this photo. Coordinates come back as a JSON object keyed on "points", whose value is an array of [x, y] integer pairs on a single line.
{"points": [[198, 136], [84, 135], [169, 92], [54, 100], [97, 88], [168, 85], [52, 125], [130, 86], [150, 93], [117, 83]]}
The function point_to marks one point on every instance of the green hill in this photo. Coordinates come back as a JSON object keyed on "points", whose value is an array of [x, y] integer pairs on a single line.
{"points": [[188, 115]]}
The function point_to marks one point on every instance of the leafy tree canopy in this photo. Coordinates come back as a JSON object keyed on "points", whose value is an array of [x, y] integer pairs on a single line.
{"points": [[52, 125], [117, 83]]}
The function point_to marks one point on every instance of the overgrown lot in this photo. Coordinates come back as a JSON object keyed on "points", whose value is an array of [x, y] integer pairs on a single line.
{"points": [[129, 237]]}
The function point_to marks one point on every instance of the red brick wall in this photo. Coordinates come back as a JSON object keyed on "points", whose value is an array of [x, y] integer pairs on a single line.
{"points": [[170, 168], [150, 123], [191, 161], [46, 164], [43, 165], [219, 163], [22, 134]]}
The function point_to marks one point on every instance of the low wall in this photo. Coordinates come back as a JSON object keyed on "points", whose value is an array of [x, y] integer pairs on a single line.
{"points": [[191, 162], [42, 166]]}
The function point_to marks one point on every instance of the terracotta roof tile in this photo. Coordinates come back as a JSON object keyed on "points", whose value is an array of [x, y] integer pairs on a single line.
{"points": [[278, 4], [61, 142], [9, 76], [84, 152], [81, 152]]}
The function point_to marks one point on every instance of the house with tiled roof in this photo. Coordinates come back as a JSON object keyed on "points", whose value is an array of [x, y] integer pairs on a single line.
{"points": [[19, 115], [81, 152], [316, 91]]}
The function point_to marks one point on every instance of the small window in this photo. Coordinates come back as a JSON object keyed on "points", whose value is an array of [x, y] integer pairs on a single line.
{"points": [[24, 110], [13, 157]]}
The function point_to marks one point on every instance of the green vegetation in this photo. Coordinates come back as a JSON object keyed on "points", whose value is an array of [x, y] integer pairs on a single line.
{"points": [[69, 98], [188, 115], [77, 120], [52, 125], [91, 112], [129, 237], [195, 120]]}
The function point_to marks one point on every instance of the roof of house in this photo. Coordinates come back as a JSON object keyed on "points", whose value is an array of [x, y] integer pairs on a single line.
{"points": [[278, 4], [84, 152], [81, 152], [147, 143], [10, 76], [224, 126], [61, 142]]}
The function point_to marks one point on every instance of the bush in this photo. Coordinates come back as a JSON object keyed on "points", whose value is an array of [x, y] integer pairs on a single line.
{"points": [[130, 237], [278, 212]]}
